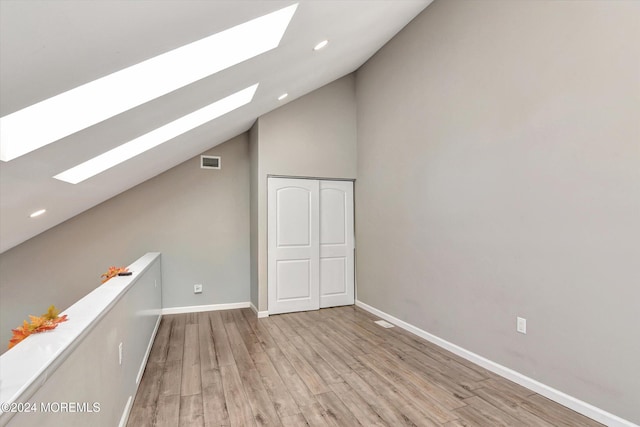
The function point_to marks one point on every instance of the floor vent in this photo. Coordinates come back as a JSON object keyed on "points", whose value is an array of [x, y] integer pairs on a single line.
{"points": [[383, 323], [210, 162]]}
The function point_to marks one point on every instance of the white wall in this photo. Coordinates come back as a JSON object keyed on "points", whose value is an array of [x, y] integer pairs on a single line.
{"points": [[499, 176], [313, 136], [197, 218]]}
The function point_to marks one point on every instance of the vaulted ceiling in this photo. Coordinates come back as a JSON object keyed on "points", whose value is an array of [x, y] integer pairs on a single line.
{"points": [[51, 47]]}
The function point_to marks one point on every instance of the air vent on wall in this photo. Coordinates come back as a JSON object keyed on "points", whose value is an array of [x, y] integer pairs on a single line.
{"points": [[210, 162]]}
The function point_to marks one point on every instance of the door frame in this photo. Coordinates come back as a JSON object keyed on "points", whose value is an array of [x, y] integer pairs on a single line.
{"points": [[355, 225]]}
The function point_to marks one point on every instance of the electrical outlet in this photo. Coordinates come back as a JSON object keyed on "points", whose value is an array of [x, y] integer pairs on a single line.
{"points": [[120, 353], [197, 289], [521, 325]]}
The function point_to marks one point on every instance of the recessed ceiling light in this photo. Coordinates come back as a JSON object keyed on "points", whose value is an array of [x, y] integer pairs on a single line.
{"points": [[283, 96], [37, 213], [320, 45], [52, 119], [156, 137]]}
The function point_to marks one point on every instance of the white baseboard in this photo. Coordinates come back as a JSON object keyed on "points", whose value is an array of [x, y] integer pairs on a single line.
{"points": [[564, 399], [148, 352], [125, 415], [199, 308], [127, 408], [260, 314]]}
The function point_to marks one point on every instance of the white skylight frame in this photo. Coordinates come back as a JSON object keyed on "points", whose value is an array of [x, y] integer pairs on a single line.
{"points": [[47, 121], [157, 136]]}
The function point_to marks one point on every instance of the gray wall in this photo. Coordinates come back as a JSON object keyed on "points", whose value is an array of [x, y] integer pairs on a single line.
{"points": [[313, 136], [499, 176], [197, 218], [253, 196]]}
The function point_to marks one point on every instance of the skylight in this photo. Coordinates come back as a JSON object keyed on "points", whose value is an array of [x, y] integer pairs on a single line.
{"points": [[156, 137], [64, 114]]}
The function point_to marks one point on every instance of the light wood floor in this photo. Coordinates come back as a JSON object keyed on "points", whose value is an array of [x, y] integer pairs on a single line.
{"points": [[322, 368]]}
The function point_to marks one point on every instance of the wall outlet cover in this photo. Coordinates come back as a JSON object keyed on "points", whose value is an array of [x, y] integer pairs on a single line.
{"points": [[521, 325]]}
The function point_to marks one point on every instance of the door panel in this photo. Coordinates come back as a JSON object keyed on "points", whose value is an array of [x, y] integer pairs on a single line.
{"points": [[332, 216], [293, 216], [290, 274], [336, 243], [333, 272], [293, 245]]}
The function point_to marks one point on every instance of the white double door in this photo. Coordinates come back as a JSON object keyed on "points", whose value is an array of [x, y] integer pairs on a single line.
{"points": [[310, 244]]}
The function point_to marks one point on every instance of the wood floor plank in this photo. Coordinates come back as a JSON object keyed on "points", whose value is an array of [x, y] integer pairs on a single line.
{"points": [[340, 339], [327, 353], [510, 405], [208, 358], [176, 343], [214, 404], [315, 415], [307, 373], [283, 402], [226, 316], [286, 324], [168, 411], [295, 420], [432, 370], [160, 346], [479, 410], [337, 413], [507, 386], [151, 382], [324, 369], [191, 379], [399, 342], [259, 329], [219, 333], [383, 407], [213, 401], [171, 378], [459, 423], [360, 409], [340, 347], [239, 351], [475, 371], [327, 367], [262, 406], [435, 409], [298, 388], [240, 411], [410, 412], [141, 416], [556, 414], [248, 336], [191, 412], [447, 399]]}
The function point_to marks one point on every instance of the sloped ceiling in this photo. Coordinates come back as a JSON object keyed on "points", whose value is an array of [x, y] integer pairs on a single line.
{"points": [[49, 47]]}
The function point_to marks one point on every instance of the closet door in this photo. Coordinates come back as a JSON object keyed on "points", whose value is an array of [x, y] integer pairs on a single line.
{"points": [[336, 244], [293, 245]]}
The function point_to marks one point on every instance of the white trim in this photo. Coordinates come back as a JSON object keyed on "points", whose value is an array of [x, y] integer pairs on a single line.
{"points": [[259, 314], [199, 308], [125, 414], [148, 352], [127, 409], [558, 396]]}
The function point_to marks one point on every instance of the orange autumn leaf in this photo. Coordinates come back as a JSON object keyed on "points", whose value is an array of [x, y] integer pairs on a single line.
{"points": [[112, 272], [19, 334], [37, 324], [52, 313]]}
